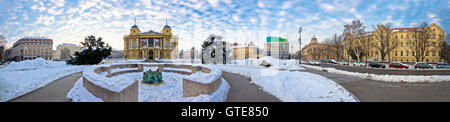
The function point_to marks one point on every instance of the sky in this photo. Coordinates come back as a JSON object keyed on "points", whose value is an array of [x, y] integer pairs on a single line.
{"points": [[242, 21]]}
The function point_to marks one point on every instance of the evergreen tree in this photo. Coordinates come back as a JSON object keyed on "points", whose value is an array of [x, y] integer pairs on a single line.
{"points": [[93, 52]]}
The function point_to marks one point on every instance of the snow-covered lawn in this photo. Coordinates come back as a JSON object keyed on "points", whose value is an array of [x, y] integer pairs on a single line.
{"points": [[387, 78], [170, 91], [19, 78], [293, 86]]}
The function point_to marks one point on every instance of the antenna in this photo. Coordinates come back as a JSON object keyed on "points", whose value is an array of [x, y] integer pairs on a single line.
{"points": [[134, 20], [166, 20]]}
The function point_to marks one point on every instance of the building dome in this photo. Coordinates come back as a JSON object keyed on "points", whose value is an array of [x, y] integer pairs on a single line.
{"points": [[167, 27], [134, 27]]}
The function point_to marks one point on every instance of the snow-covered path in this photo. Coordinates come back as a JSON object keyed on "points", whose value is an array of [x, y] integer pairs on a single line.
{"points": [[54, 92], [241, 90]]}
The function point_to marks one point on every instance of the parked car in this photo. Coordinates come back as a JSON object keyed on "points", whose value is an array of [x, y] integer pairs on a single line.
{"points": [[343, 62], [314, 62], [442, 65], [422, 65], [322, 60], [398, 65], [376, 64], [332, 61], [357, 63]]}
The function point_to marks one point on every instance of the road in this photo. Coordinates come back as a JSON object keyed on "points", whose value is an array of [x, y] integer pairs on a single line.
{"points": [[389, 71], [380, 91], [241, 90], [55, 91]]}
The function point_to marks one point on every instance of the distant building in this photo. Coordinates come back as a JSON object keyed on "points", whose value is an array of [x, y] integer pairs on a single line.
{"points": [[150, 45], [65, 50], [277, 47], [403, 52], [192, 53], [116, 54], [316, 50], [8, 54], [246, 51], [32, 48]]}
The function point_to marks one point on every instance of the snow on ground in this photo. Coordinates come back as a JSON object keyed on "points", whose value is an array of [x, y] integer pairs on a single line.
{"points": [[388, 78], [113, 84], [294, 86], [80, 94], [170, 91], [38, 63], [275, 63], [19, 78]]}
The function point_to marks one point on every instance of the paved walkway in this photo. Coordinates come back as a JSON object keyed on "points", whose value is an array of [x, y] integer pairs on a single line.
{"points": [[55, 91], [380, 91], [241, 90]]}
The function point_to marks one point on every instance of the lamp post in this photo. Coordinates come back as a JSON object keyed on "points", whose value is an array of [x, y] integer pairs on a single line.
{"points": [[300, 47]]}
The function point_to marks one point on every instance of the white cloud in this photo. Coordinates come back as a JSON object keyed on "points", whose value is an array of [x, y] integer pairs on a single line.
{"points": [[327, 7], [59, 3], [287, 5], [45, 20], [55, 12], [397, 7], [214, 3], [432, 15], [282, 13], [260, 4]]}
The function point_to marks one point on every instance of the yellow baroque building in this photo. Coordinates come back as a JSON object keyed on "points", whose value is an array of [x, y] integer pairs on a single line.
{"points": [[150, 45], [402, 52]]}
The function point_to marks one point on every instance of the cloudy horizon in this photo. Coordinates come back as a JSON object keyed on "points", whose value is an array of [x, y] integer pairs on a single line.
{"points": [[69, 21]]}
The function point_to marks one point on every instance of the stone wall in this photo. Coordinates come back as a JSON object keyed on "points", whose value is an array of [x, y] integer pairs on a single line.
{"points": [[129, 94]]}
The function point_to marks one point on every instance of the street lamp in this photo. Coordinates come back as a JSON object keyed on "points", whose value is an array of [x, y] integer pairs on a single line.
{"points": [[300, 47]]}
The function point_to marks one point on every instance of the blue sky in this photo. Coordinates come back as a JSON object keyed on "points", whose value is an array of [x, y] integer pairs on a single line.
{"points": [[69, 21]]}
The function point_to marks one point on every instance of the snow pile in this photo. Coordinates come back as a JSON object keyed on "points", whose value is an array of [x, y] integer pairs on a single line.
{"points": [[388, 78], [22, 77], [80, 94], [123, 60], [294, 86], [205, 78], [291, 64], [112, 84], [37, 63], [121, 69], [218, 96], [177, 69]]}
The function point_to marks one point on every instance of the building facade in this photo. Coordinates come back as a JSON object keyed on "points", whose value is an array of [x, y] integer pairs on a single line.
{"points": [[191, 53], [65, 50], [277, 47], [31, 48], [150, 45], [316, 50], [246, 51], [403, 52]]}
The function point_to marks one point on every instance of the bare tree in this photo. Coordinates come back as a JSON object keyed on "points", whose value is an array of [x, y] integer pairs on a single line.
{"points": [[384, 42], [445, 49], [338, 45], [365, 40], [65, 54], [418, 42], [2, 48], [351, 33]]}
